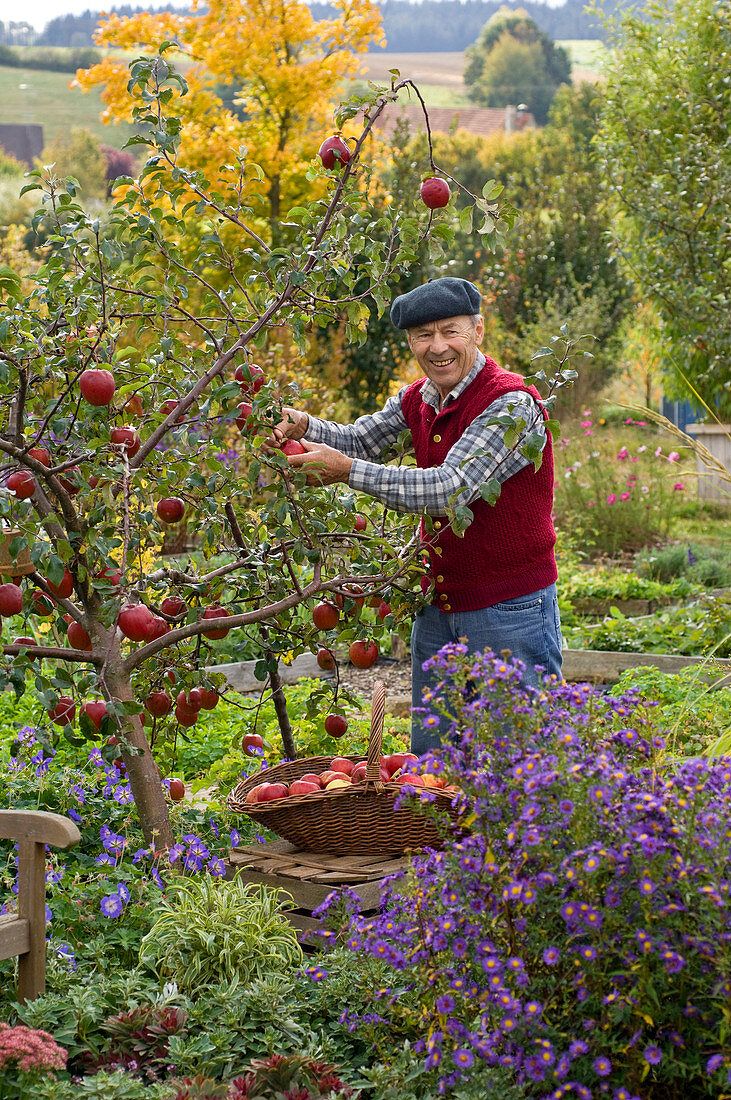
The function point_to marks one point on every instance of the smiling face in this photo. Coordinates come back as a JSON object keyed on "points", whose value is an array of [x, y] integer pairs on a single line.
{"points": [[446, 350]]}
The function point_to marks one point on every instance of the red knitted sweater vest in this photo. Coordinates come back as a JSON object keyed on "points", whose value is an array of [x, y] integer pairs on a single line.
{"points": [[507, 550]]}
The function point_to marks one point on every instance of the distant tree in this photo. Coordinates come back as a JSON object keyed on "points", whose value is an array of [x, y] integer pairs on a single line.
{"points": [[666, 133], [515, 62], [79, 155]]}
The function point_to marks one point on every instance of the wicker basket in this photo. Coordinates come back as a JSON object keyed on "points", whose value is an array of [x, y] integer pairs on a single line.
{"points": [[357, 820]]}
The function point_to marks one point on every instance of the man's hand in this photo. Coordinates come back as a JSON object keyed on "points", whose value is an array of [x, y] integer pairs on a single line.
{"points": [[293, 425], [323, 465]]}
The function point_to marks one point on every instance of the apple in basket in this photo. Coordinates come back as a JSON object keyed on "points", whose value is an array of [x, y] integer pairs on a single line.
{"points": [[434, 781], [341, 764], [411, 779], [327, 775], [311, 777], [301, 786], [398, 760], [269, 792], [339, 781]]}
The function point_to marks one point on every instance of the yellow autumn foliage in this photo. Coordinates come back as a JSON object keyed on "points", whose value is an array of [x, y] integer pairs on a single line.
{"points": [[286, 70]]}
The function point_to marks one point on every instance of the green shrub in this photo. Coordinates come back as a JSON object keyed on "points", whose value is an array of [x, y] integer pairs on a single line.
{"points": [[691, 716], [711, 568], [205, 932], [702, 629]]}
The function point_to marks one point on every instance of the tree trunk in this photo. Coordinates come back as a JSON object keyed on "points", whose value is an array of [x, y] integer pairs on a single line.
{"points": [[280, 706], [144, 777]]}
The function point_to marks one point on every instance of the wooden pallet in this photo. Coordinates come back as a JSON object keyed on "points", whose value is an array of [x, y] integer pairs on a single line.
{"points": [[310, 876]]}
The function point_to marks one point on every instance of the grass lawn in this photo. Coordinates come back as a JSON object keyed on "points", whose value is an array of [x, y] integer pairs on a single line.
{"points": [[34, 96]]}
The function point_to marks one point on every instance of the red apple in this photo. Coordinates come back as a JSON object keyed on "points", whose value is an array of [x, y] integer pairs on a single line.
{"points": [[64, 588], [24, 640], [252, 795], [311, 777], [40, 454], [301, 786], [434, 192], [326, 659], [271, 791], [335, 725], [411, 779], [384, 609], [157, 628], [177, 790], [334, 152], [209, 698], [42, 604], [171, 509], [243, 421], [252, 744], [64, 711], [173, 606], [327, 776], [399, 760], [97, 386], [216, 612], [359, 771], [193, 700], [95, 712], [127, 438], [159, 703], [325, 616], [22, 484], [351, 592], [363, 654], [72, 483], [11, 599], [360, 523], [250, 377], [293, 447], [167, 407], [77, 636], [341, 764], [134, 406], [186, 717], [110, 576], [134, 621]]}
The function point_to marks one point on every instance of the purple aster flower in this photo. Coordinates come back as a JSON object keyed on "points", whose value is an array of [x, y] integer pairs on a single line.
{"points": [[579, 1046], [111, 905], [316, 973], [602, 1066], [652, 1054], [463, 1058], [551, 956], [444, 1004], [714, 1062]]}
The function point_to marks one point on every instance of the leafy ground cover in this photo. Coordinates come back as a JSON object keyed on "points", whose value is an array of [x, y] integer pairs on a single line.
{"points": [[702, 629]]}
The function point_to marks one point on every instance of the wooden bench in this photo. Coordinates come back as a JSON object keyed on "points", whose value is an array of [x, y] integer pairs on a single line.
{"points": [[24, 933]]}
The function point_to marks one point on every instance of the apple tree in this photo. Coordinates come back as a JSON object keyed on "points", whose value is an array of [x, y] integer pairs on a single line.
{"points": [[127, 374]]}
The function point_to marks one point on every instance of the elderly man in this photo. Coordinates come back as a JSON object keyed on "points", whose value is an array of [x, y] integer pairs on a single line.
{"points": [[494, 587]]}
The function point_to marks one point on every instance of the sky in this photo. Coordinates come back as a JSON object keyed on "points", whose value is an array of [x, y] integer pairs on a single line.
{"points": [[40, 12]]}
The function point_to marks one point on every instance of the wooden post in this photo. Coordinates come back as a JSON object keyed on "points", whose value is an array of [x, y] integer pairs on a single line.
{"points": [[26, 935], [32, 907]]}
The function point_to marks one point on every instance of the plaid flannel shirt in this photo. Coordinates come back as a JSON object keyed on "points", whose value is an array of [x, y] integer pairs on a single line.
{"points": [[431, 490]]}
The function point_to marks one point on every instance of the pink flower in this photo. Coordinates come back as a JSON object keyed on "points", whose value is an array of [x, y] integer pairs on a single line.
{"points": [[641, 449], [622, 454], [673, 456], [590, 503], [586, 423], [624, 496], [679, 486], [658, 452], [612, 498], [634, 458], [628, 420], [588, 432]]}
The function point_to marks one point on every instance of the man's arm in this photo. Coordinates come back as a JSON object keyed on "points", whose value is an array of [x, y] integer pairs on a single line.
{"points": [[365, 439], [409, 489]]}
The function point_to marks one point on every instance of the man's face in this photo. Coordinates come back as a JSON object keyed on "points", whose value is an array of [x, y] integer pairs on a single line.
{"points": [[445, 350]]}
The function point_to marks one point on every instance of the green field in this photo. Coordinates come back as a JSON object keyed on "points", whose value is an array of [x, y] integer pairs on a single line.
{"points": [[45, 99]]}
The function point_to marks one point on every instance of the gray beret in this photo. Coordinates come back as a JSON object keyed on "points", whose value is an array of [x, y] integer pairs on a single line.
{"points": [[435, 300]]}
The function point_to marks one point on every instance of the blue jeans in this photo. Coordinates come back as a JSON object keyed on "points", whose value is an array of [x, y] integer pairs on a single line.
{"points": [[529, 626]]}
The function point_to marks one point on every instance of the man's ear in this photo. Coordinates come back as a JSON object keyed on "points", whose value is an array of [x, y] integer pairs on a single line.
{"points": [[479, 330]]}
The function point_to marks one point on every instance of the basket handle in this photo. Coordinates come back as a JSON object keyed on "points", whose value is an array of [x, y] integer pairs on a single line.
{"points": [[375, 741]]}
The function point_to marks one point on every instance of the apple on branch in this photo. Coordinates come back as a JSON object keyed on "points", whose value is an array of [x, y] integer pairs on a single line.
{"points": [[434, 192], [97, 386], [334, 152]]}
